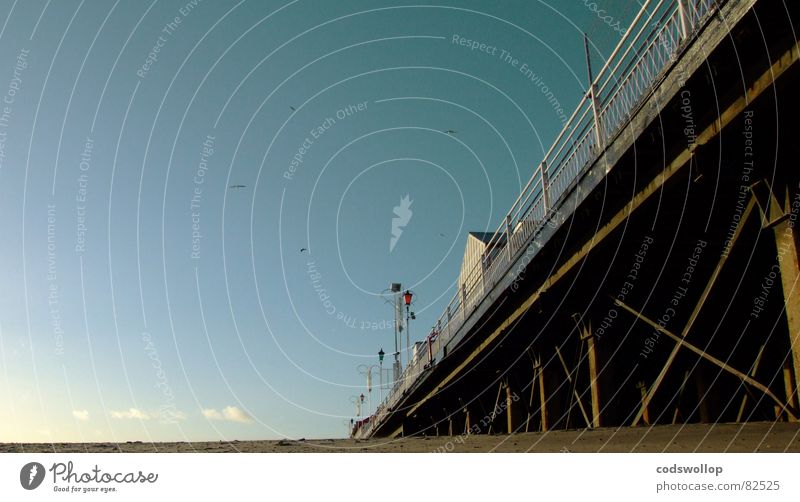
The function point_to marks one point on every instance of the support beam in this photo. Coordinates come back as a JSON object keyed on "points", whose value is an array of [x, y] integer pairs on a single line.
{"points": [[677, 412], [701, 387], [534, 374], [594, 387], [788, 383], [683, 343], [493, 413], [753, 371], [700, 302], [643, 391], [786, 243], [574, 390], [542, 398], [509, 409]]}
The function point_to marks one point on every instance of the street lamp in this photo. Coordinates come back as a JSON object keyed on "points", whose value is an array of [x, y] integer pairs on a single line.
{"points": [[358, 401], [407, 297], [395, 289], [381, 353], [367, 371]]}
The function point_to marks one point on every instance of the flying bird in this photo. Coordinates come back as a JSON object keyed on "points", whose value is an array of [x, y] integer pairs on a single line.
{"points": [[237, 187], [303, 250], [450, 131]]}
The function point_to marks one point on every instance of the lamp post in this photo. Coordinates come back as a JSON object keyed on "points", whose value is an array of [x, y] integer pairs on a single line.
{"points": [[358, 401], [367, 371], [407, 297], [395, 289], [381, 353]]}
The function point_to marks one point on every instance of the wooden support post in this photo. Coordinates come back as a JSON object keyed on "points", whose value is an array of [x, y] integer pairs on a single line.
{"points": [[509, 409], [701, 387], [586, 334], [533, 390], [788, 383], [786, 244], [677, 412], [493, 413], [467, 424], [643, 390], [542, 397]]}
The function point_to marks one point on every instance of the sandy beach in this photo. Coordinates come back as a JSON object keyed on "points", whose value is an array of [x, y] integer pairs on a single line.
{"points": [[703, 438]]}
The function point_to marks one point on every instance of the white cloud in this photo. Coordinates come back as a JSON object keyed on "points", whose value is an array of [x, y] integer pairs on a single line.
{"points": [[171, 415], [212, 414], [236, 414], [81, 414], [131, 413], [229, 413]]}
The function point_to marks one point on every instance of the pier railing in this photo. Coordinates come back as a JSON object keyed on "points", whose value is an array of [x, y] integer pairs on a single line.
{"points": [[657, 35]]}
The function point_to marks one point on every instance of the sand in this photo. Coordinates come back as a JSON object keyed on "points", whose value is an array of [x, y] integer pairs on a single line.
{"points": [[705, 438]]}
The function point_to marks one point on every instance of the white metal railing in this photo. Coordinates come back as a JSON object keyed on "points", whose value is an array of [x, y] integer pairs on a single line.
{"points": [[658, 33]]}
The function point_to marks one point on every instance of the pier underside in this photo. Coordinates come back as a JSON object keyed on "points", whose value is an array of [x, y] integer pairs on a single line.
{"points": [[670, 294]]}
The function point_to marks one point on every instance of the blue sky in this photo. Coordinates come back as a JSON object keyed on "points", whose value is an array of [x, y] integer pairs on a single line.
{"points": [[117, 323]]}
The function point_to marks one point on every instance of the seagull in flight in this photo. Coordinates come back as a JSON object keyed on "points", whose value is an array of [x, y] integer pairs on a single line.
{"points": [[450, 131], [237, 187]]}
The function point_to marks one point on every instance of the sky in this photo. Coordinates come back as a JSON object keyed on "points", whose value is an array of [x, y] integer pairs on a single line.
{"points": [[197, 198]]}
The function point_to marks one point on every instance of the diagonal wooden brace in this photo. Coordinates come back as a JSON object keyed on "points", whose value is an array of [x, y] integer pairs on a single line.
{"points": [[574, 390], [701, 301], [730, 369]]}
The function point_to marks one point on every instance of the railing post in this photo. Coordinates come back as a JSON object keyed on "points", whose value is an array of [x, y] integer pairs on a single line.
{"points": [[508, 236], [483, 274], [598, 125], [545, 189], [683, 13], [593, 100]]}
